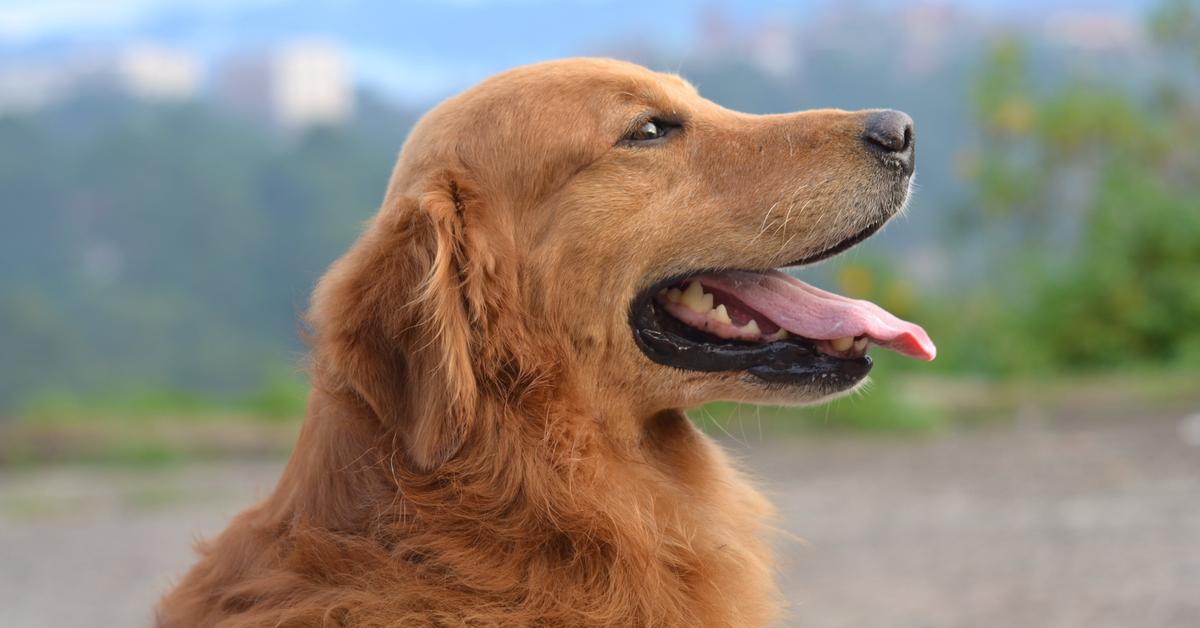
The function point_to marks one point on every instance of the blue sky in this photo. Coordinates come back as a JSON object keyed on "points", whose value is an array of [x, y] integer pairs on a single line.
{"points": [[28, 19], [421, 47]]}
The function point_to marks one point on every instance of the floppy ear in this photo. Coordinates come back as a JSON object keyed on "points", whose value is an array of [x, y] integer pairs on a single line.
{"points": [[398, 320]]}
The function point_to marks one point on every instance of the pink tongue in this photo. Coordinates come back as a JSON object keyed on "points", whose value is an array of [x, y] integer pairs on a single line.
{"points": [[813, 313]]}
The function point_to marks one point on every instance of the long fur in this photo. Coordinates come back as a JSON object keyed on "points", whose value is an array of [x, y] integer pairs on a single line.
{"points": [[541, 522], [484, 445]]}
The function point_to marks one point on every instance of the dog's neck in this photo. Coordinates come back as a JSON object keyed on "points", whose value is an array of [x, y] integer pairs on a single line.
{"points": [[347, 458], [557, 495]]}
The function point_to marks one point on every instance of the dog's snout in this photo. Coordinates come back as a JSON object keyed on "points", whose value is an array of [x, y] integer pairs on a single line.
{"points": [[890, 132]]}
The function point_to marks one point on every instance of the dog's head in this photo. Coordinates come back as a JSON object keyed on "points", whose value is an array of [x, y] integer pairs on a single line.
{"points": [[592, 222]]}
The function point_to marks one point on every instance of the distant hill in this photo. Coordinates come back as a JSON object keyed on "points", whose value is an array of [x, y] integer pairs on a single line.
{"points": [[147, 247]]}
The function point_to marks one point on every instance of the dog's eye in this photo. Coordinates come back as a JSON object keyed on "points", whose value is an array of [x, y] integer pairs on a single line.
{"points": [[652, 129]]}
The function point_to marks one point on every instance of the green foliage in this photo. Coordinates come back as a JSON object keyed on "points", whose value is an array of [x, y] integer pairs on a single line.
{"points": [[1177, 23], [1132, 294], [154, 427], [1100, 185], [278, 398], [169, 247], [59, 407]]}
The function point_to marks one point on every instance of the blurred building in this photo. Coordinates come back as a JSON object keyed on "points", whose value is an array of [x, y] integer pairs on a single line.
{"points": [[295, 86], [143, 71], [153, 72]]}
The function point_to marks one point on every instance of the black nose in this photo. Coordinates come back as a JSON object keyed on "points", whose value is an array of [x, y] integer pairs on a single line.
{"points": [[890, 133]]}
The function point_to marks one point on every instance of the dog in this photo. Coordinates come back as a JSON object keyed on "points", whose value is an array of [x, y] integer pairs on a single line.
{"points": [[567, 256]]}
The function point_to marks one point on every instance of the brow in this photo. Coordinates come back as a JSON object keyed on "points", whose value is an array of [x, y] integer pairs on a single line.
{"points": [[654, 97]]}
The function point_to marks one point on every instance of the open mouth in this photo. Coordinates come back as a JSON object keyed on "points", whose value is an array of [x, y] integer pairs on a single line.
{"points": [[774, 327]]}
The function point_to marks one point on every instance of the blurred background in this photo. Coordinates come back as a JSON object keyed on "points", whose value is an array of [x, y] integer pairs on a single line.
{"points": [[175, 175]]}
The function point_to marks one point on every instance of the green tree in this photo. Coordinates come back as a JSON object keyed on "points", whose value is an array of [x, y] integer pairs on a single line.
{"points": [[1091, 192]]}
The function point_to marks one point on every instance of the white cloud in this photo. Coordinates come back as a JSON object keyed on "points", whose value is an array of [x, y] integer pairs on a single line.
{"points": [[22, 20]]}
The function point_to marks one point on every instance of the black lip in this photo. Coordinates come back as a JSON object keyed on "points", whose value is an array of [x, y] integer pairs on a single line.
{"points": [[844, 245], [794, 361]]}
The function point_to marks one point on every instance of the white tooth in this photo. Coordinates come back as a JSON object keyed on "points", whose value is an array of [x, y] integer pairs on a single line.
{"points": [[860, 344], [782, 334], [693, 297], [674, 294], [706, 302], [842, 344], [751, 328], [720, 314]]}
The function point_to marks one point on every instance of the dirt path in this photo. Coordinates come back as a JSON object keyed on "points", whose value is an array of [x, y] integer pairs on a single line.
{"points": [[1085, 522]]}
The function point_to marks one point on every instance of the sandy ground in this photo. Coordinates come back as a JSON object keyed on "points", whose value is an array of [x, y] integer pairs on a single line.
{"points": [[1036, 523]]}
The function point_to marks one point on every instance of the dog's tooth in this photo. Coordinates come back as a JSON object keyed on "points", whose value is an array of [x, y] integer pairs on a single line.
{"points": [[842, 344], [860, 344], [782, 334], [720, 314], [706, 302], [693, 297], [674, 295], [751, 328]]}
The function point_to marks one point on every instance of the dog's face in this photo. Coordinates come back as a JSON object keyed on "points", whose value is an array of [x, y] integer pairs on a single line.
{"points": [[614, 212]]}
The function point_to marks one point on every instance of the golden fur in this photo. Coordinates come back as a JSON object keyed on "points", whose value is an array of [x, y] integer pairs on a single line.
{"points": [[485, 445]]}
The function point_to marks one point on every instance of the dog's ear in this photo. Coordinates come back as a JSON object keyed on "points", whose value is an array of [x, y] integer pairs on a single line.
{"points": [[400, 320]]}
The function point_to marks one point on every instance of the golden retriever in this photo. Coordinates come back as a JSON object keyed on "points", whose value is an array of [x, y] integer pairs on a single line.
{"points": [[568, 255]]}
